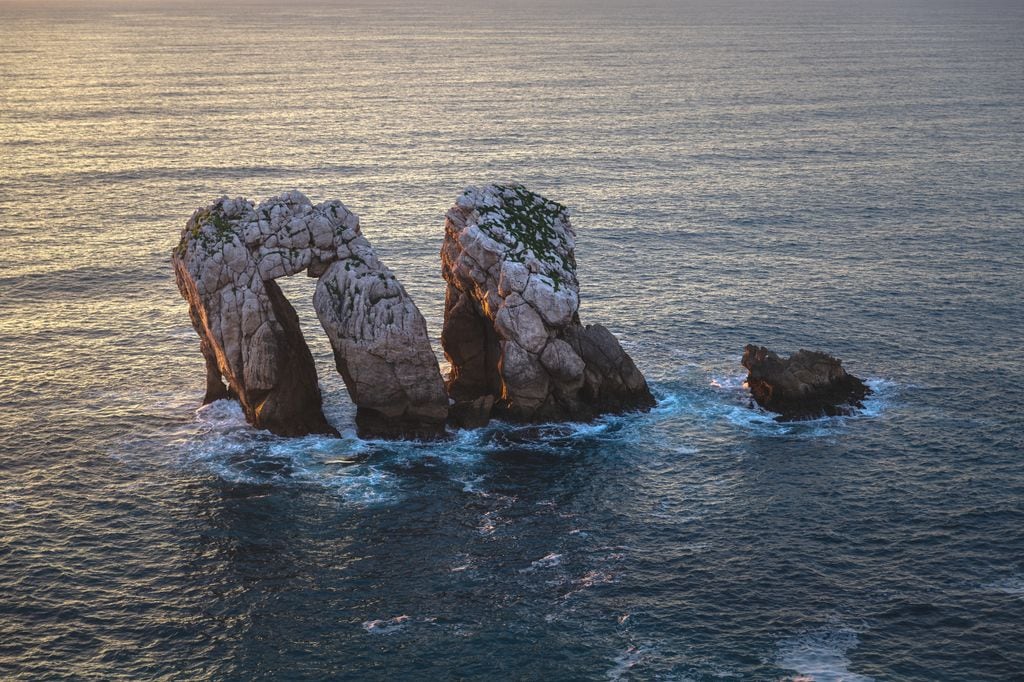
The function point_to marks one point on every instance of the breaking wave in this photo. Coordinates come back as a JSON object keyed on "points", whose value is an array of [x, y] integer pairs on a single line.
{"points": [[369, 472], [820, 655]]}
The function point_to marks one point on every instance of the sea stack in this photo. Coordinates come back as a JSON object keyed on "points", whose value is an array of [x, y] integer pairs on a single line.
{"points": [[807, 385], [229, 255], [381, 348], [512, 331]]}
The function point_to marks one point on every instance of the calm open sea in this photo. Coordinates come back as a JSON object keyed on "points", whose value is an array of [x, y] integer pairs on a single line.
{"points": [[844, 176]]}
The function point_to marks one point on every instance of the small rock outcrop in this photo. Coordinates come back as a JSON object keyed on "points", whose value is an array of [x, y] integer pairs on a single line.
{"points": [[807, 385], [511, 328], [225, 265]]}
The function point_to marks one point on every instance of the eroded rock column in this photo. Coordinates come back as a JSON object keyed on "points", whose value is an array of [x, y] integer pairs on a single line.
{"points": [[381, 348], [512, 331]]}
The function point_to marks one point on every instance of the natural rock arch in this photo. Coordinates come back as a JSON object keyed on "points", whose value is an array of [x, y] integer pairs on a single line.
{"points": [[225, 265], [511, 328]]}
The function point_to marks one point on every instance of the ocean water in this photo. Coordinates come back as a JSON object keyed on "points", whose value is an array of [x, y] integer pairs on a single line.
{"points": [[844, 176]]}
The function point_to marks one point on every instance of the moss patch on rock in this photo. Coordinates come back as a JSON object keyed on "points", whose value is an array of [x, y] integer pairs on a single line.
{"points": [[527, 223], [223, 231]]}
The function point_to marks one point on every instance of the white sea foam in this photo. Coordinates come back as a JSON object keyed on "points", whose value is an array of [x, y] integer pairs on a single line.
{"points": [[735, 405], [883, 394], [471, 485], [222, 415], [548, 561], [625, 661], [361, 472], [820, 655], [753, 418], [387, 626], [587, 430], [237, 453], [667, 404], [729, 383], [366, 487]]}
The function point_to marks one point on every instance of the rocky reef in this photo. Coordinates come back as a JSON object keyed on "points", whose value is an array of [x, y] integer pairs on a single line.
{"points": [[807, 385], [229, 255], [512, 331]]}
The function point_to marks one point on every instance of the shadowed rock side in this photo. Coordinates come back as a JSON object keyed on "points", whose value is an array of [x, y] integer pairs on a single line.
{"points": [[225, 265], [381, 348], [807, 385], [511, 330]]}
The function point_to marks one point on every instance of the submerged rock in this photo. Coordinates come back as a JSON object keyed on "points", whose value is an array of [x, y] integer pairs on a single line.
{"points": [[225, 265], [512, 329], [807, 385]]}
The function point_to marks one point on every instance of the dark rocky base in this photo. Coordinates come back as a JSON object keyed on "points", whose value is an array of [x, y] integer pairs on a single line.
{"points": [[371, 424], [807, 385], [471, 414]]}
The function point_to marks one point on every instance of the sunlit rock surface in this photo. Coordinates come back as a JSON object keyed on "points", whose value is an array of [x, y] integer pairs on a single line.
{"points": [[512, 329], [226, 263], [807, 385], [381, 348]]}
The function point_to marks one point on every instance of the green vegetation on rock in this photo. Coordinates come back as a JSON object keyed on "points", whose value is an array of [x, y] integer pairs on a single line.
{"points": [[223, 230], [528, 223]]}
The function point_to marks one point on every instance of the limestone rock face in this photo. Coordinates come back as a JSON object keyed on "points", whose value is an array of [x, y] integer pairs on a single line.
{"points": [[230, 253], [381, 348], [512, 329], [225, 265], [806, 385]]}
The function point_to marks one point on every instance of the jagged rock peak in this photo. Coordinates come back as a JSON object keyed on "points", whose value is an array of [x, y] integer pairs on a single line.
{"points": [[512, 329], [807, 385]]}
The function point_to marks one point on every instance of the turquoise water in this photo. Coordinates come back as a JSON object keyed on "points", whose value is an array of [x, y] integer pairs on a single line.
{"points": [[844, 177]]}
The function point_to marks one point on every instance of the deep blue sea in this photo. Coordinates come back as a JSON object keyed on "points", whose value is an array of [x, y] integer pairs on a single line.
{"points": [[843, 176]]}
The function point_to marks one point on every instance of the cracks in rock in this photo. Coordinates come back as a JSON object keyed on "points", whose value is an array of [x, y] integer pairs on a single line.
{"points": [[525, 229], [233, 244]]}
